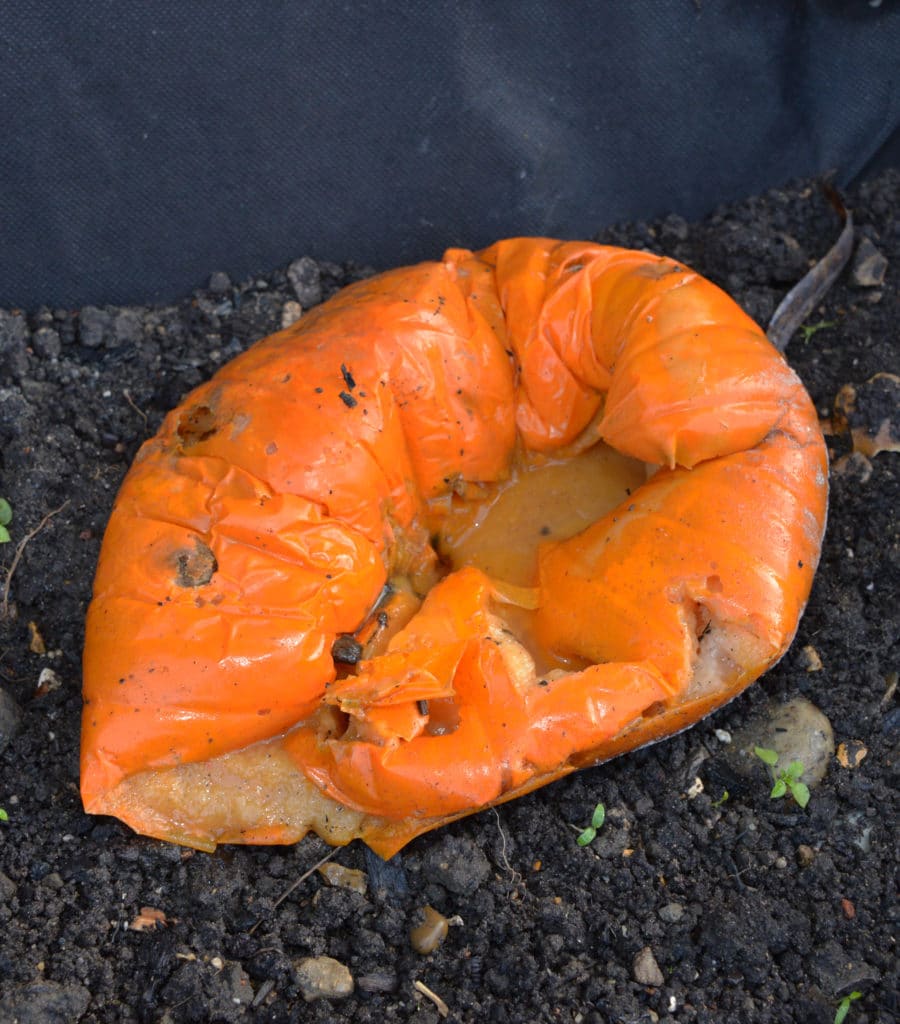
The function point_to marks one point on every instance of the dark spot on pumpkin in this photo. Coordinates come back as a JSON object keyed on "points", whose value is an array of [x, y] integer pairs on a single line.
{"points": [[195, 567], [347, 399], [196, 425], [346, 649], [656, 708]]}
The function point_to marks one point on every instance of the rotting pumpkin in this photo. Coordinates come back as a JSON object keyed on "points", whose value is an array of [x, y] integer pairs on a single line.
{"points": [[464, 528]]}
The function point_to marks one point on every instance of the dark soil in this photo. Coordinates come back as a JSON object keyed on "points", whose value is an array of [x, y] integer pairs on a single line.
{"points": [[754, 910]]}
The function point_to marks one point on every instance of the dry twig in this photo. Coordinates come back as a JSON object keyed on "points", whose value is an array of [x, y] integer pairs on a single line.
{"points": [[294, 885], [442, 1008], [20, 548]]}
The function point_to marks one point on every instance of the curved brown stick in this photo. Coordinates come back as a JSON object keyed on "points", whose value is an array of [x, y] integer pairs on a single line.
{"points": [[809, 291]]}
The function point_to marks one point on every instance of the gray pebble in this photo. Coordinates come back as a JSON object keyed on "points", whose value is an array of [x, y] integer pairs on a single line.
{"points": [[47, 1002], [10, 719], [671, 912], [869, 265], [94, 326], [323, 977], [127, 328], [219, 282], [797, 731], [645, 970], [305, 279]]}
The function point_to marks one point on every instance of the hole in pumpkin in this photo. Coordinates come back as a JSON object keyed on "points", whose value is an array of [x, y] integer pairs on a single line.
{"points": [[195, 568], [196, 425], [500, 529], [443, 717]]}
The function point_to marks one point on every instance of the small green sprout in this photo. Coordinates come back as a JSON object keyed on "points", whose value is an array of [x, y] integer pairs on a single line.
{"points": [[844, 1007], [590, 833], [788, 780], [3, 815], [808, 330], [5, 517], [722, 799]]}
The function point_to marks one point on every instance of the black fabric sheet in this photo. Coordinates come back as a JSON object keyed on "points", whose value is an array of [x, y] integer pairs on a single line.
{"points": [[143, 145]]}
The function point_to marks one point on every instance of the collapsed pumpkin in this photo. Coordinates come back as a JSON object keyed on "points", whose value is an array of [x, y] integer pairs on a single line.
{"points": [[462, 529]]}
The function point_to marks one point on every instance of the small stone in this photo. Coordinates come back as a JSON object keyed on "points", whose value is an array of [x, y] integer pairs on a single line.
{"points": [[94, 326], [219, 282], [869, 265], [812, 661], [797, 731], [323, 977], [10, 719], [306, 280], [645, 969], [426, 936], [671, 912], [127, 329], [290, 314], [805, 855], [344, 878]]}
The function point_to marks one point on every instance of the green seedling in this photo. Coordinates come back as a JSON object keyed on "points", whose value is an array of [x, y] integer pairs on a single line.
{"points": [[722, 798], [808, 330], [5, 518], [590, 833], [844, 1005], [3, 815], [788, 780]]}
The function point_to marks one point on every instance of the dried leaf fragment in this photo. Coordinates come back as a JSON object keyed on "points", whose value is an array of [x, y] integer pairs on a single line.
{"points": [[871, 412], [812, 659], [851, 754], [36, 642], [149, 919]]}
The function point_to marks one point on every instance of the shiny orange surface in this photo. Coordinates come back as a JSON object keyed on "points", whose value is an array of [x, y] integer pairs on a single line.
{"points": [[277, 502]]}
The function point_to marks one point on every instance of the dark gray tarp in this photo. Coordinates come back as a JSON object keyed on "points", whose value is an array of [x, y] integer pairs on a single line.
{"points": [[143, 145]]}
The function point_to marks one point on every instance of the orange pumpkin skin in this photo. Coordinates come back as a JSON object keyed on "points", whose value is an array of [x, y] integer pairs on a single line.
{"points": [[264, 520]]}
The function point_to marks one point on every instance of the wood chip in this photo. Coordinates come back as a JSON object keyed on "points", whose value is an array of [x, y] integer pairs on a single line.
{"points": [[442, 1008], [36, 642]]}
